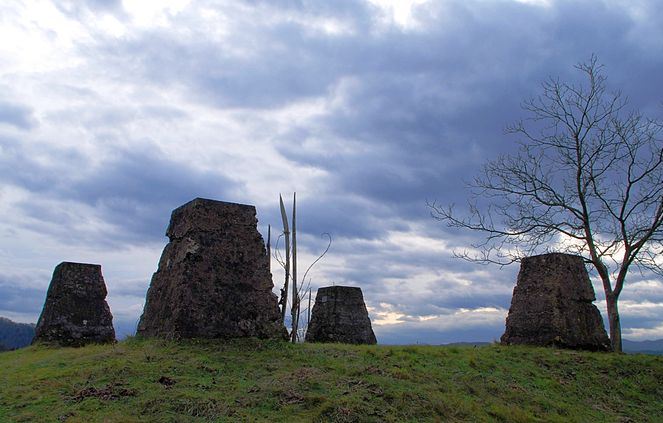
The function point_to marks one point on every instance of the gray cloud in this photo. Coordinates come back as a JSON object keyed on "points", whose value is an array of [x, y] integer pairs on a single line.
{"points": [[78, 9], [133, 190], [17, 115], [405, 115], [16, 298]]}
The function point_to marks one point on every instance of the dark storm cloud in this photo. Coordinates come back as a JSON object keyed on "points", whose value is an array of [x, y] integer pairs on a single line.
{"points": [[426, 106], [137, 189], [342, 216], [20, 295], [216, 77], [428, 109], [18, 166], [132, 190]]}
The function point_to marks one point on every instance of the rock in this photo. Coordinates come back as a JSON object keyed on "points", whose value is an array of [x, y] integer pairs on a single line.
{"points": [[213, 279], [75, 312], [552, 305], [340, 315]]}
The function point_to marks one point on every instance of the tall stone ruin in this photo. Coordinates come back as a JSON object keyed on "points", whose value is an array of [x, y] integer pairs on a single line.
{"points": [[339, 315], [213, 279], [76, 312], [552, 305]]}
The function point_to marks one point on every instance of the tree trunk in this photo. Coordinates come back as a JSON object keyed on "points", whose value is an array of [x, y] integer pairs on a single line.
{"points": [[269, 248], [286, 234], [295, 291], [615, 325]]}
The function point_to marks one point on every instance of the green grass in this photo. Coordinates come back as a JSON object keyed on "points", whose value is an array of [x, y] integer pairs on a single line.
{"points": [[254, 380]]}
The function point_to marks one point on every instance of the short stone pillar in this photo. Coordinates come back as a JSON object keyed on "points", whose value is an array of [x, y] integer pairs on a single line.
{"points": [[76, 312], [213, 279], [552, 305], [340, 315]]}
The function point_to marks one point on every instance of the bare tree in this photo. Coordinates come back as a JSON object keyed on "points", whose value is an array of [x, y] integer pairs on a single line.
{"points": [[587, 180]]}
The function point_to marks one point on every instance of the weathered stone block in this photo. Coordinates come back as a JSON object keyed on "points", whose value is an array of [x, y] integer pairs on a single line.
{"points": [[213, 279], [552, 305], [75, 312], [340, 315]]}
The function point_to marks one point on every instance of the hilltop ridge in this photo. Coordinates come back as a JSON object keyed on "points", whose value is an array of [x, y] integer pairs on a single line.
{"points": [[256, 380]]}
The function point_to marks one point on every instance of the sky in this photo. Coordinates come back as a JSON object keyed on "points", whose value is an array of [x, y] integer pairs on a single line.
{"points": [[113, 113]]}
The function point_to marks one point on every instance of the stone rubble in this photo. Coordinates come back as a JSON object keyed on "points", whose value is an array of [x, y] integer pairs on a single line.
{"points": [[213, 279], [552, 304], [340, 315], [76, 312]]}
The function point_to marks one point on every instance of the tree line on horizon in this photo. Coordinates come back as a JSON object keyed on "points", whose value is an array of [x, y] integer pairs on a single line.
{"points": [[15, 335]]}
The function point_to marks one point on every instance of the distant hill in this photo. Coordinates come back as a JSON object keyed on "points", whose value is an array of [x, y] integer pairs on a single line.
{"points": [[467, 344], [633, 347], [643, 347], [15, 335]]}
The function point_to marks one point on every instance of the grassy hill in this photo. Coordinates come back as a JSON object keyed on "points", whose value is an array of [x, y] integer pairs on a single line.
{"points": [[253, 380]]}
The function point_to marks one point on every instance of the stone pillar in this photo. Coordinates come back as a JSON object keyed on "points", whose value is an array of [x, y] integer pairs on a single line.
{"points": [[213, 279], [75, 312], [552, 305], [340, 315]]}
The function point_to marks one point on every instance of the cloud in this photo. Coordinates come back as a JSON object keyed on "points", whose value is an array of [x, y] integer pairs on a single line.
{"points": [[18, 295], [131, 192], [463, 325], [17, 115], [118, 112], [641, 334], [78, 9]]}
